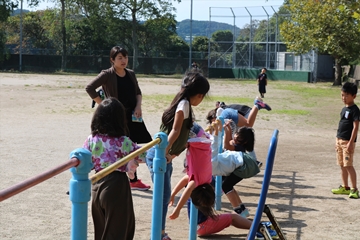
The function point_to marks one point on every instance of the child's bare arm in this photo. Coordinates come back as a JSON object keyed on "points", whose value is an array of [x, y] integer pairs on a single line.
{"points": [[351, 144], [180, 185], [184, 197], [228, 137]]}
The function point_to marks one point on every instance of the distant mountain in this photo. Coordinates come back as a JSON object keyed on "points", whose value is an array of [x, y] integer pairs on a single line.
{"points": [[202, 28], [17, 12]]}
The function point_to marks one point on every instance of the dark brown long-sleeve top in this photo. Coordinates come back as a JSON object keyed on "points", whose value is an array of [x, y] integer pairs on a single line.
{"points": [[108, 81]]}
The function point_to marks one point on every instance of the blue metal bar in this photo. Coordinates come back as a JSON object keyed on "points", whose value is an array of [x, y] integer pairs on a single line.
{"points": [[193, 221], [159, 168], [218, 179], [80, 193], [265, 185]]}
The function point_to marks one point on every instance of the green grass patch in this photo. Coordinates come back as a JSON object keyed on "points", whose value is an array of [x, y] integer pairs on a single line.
{"points": [[310, 90], [291, 112], [161, 98]]}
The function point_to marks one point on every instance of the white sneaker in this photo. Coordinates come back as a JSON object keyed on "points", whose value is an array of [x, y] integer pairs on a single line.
{"points": [[245, 213]]}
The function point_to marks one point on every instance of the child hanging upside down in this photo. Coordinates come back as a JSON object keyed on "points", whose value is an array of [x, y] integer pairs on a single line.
{"points": [[241, 115], [199, 184]]}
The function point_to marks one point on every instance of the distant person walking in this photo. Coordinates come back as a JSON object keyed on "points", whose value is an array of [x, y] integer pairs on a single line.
{"points": [[262, 82]]}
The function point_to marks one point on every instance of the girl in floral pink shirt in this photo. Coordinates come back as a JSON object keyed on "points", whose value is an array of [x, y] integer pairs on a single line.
{"points": [[112, 207]]}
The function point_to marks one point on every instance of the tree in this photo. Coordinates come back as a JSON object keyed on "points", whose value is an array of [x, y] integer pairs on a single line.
{"points": [[6, 6], [224, 40], [321, 25], [200, 44], [155, 35], [146, 9]]}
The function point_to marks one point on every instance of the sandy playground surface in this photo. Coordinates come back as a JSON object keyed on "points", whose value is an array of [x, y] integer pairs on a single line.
{"points": [[44, 117]]}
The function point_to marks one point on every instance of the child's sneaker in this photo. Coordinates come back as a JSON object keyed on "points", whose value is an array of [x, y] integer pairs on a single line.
{"points": [[244, 213], [273, 234], [258, 99], [354, 193], [139, 185], [165, 237], [341, 190], [268, 225], [259, 164], [262, 105]]}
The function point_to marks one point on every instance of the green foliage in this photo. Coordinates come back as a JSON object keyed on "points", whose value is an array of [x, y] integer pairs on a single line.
{"points": [[177, 44], [320, 25], [155, 34], [224, 40], [325, 27], [200, 44], [6, 6]]}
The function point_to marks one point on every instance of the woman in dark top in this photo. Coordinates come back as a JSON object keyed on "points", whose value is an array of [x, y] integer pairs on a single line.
{"points": [[121, 83]]}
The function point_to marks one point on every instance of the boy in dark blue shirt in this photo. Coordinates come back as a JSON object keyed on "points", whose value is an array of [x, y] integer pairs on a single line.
{"points": [[346, 139]]}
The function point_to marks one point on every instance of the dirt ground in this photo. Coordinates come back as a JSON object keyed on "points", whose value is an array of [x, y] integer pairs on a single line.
{"points": [[45, 117]]}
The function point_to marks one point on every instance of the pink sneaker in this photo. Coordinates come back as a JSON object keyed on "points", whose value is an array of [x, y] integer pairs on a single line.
{"points": [[139, 185], [262, 105]]}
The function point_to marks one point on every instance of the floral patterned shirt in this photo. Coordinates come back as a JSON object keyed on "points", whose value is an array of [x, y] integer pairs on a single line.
{"points": [[106, 150]]}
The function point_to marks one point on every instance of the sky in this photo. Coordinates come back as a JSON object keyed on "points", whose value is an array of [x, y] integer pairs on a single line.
{"points": [[220, 9]]}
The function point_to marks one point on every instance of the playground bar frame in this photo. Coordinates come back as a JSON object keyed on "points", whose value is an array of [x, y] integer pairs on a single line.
{"points": [[22, 186]]}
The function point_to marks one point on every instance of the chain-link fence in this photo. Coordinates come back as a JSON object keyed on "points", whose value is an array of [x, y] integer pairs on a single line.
{"points": [[256, 40]]}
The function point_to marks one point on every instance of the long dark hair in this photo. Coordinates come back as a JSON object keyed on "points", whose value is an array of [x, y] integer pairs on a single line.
{"points": [[211, 115], [192, 84], [246, 138], [109, 118], [203, 197]]}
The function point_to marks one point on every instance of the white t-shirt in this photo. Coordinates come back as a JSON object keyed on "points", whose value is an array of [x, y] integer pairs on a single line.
{"points": [[184, 106], [219, 111]]}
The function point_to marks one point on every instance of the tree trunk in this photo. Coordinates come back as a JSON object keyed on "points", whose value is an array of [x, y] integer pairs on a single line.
{"points": [[338, 72], [63, 31], [134, 40]]}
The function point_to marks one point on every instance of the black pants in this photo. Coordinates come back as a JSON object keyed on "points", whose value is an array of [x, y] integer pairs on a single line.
{"points": [[229, 182], [112, 208]]}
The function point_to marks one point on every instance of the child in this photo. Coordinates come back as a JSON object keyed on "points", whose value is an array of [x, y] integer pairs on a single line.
{"points": [[199, 175], [203, 195], [207, 226], [176, 122], [262, 82], [236, 165], [346, 139], [241, 115], [243, 140], [112, 206]]}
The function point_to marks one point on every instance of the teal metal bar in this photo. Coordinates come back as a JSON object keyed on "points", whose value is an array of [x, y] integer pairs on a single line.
{"points": [[218, 179], [159, 168], [80, 193], [193, 221]]}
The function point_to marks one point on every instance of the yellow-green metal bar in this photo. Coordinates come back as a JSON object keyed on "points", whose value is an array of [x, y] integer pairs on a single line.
{"points": [[96, 177]]}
